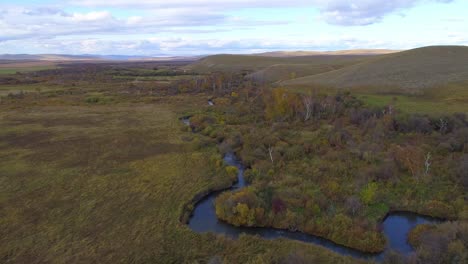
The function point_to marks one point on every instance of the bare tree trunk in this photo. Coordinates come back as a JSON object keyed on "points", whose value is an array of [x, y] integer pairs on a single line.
{"points": [[442, 126], [270, 151], [308, 107], [427, 163]]}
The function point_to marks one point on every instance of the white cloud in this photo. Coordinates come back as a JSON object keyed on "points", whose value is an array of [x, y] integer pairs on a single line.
{"points": [[20, 22], [197, 22], [362, 12], [92, 16], [338, 12], [209, 4]]}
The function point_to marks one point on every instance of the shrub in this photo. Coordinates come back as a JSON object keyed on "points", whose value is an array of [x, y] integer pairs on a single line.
{"points": [[92, 100], [414, 236], [368, 193], [232, 170]]}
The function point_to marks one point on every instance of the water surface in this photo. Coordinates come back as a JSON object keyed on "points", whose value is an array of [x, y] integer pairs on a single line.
{"points": [[395, 227]]}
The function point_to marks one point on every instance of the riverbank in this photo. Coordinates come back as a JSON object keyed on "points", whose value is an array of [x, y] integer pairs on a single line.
{"points": [[204, 219]]}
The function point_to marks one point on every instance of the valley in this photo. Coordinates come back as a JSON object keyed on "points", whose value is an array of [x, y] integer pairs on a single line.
{"points": [[297, 159]]}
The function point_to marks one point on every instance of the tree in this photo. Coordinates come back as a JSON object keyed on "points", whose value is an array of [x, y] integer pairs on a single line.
{"points": [[270, 151], [308, 105], [462, 170], [427, 163], [353, 205], [368, 193], [281, 105], [410, 158]]}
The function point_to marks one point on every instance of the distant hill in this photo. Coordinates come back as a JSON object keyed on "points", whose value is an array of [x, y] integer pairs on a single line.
{"points": [[338, 52], [409, 70], [47, 57], [288, 65], [64, 57], [283, 72]]}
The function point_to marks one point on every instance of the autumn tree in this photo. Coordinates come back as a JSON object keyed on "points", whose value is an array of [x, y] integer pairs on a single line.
{"points": [[411, 158]]}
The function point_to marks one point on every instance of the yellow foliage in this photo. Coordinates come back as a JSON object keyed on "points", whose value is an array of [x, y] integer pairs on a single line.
{"points": [[231, 170]]}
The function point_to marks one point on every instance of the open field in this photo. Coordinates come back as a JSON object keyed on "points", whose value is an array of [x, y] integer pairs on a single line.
{"points": [[25, 69], [338, 52], [16, 89], [12, 67], [251, 63], [282, 72], [434, 101], [409, 71], [414, 104], [90, 182], [95, 168]]}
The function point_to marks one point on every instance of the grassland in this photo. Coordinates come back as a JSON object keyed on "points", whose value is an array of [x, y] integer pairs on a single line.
{"points": [[414, 104], [435, 101], [13, 66], [17, 89], [90, 182], [251, 63], [430, 80], [411, 71], [14, 70], [98, 169], [282, 72], [338, 52]]}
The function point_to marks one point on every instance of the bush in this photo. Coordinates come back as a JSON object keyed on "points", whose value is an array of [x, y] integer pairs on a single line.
{"points": [[414, 236], [368, 193], [92, 100], [231, 170], [439, 209], [413, 123], [462, 170]]}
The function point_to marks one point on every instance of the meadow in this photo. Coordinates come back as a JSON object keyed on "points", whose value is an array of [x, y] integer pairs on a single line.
{"points": [[8, 67], [107, 179], [98, 167]]}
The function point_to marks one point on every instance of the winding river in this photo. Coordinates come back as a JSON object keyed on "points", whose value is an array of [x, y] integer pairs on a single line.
{"points": [[395, 226]]}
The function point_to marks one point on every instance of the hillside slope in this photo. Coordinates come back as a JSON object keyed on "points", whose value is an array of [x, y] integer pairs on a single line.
{"points": [[283, 72], [337, 52], [252, 63], [410, 70]]}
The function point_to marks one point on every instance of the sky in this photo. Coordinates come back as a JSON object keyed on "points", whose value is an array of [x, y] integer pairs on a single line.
{"points": [[200, 27]]}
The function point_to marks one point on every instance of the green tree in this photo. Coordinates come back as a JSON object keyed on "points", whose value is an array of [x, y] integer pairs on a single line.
{"points": [[368, 193]]}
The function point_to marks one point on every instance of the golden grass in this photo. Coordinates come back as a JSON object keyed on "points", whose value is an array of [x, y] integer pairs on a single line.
{"points": [[91, 183], [411, 70]]}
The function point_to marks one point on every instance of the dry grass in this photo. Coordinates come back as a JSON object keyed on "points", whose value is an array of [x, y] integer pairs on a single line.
{"points": [[255, 63], [410, 71], [107, 183]]}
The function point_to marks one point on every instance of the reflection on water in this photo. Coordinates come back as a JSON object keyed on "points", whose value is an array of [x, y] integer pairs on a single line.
{"points": [[395, 227]]}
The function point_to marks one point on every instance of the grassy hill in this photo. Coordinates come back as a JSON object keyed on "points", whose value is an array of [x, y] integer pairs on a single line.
{"points": [[46, 57], [337, 52], [283, 72], [285, 66], [408, 71]]}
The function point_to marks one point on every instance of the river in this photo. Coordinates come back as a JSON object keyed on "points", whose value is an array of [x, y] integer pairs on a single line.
{"points": [[395, 226]]}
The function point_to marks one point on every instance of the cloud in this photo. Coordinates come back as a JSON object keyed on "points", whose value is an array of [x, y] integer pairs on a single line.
{"points": [[362, 12], [177, 16], [186, 45], [205, 4], [92, 16], [145, 27], [21, 22], [336, 12]]}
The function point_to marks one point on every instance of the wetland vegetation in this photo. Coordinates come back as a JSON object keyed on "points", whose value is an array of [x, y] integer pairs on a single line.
{"points": [[96, 166]]}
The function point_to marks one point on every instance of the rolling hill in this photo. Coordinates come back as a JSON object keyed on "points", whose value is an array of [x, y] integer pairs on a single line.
{"points": [[271, 66], [46, 57], [338, 52], [410, 71], [65, 57]]}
